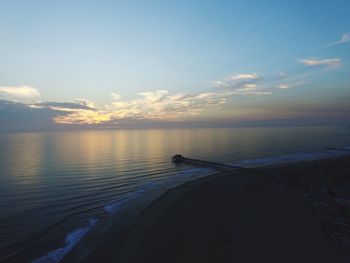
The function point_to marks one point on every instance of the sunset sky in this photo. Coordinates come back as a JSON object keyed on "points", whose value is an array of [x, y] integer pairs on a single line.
{"points": [[130, 63]]}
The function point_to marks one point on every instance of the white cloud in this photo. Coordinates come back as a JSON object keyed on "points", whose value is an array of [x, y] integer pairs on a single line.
{"points": [[83, 117], [19, 92], [282, 75], [290, 85], [220, 84], [85, 102], [331, 62], [115, 96], [154, 96], [252, 76], [250, 86], [155, 105], [284, 86], [250, 89], [238, 81], [151, 105], [344, 38]]}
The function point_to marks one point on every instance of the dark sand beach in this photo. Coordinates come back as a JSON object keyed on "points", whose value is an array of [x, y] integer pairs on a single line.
{"points": [[285, 213]]}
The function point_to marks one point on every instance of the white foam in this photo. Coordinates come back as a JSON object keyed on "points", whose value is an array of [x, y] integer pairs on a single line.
{"points": [[290, 158], [71, 240], [74, 237], [125, 200], [193, 171], [342, 148], [342, 201], [119, 204]]}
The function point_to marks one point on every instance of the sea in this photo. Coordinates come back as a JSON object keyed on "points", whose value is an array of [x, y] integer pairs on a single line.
{"points": [[56, 188]]}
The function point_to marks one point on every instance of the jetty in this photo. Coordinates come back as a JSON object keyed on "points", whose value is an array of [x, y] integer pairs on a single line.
{"points": [[178, 158]]}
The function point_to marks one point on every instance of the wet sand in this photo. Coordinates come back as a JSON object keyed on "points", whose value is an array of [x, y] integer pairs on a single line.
{"points": [[259, 216]]}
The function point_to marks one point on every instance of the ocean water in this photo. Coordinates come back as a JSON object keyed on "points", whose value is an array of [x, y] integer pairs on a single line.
{"points": [[55, 187]]}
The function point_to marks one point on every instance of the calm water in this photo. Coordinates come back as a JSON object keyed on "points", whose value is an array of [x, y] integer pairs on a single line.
{"points": [[53, 183]]}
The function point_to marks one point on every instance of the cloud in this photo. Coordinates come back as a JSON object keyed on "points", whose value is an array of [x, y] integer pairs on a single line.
{"points": [[250, 89], [115, 96], [344, 39], [150, 105], [19, 92], [156, 105], [245, 77], [237, 81], [290, 85], [86, 102], [63, 106], [161, 105], [83, 117], [331, 62], [22, 117], [242, 84], [221, 84], [282, 75]]}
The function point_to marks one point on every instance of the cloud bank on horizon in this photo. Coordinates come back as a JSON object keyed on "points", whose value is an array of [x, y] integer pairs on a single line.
{"points": [[158, 105]]}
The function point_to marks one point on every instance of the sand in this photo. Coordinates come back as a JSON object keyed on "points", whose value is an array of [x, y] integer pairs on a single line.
{"points": [[234, 217]]}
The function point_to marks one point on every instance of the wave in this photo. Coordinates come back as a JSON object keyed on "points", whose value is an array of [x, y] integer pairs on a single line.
{"points": [[118, 205], [295, 157], [71, 240], [125, 200]]}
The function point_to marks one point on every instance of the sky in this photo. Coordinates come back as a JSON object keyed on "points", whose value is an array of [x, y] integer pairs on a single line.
{"points": [[114, 64]]}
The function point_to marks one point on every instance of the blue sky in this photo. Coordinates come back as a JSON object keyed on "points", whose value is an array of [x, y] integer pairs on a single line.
{"points": [[174, 60]]}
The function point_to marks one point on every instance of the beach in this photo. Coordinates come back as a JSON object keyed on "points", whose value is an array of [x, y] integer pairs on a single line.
{"points": [[284, 213]]}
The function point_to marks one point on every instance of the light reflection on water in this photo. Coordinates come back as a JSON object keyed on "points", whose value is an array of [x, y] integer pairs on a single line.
{"points": [[51, 182]]}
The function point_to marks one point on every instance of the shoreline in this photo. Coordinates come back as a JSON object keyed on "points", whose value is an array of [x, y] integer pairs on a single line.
{"points": [[291, 182], [100, 243]]}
